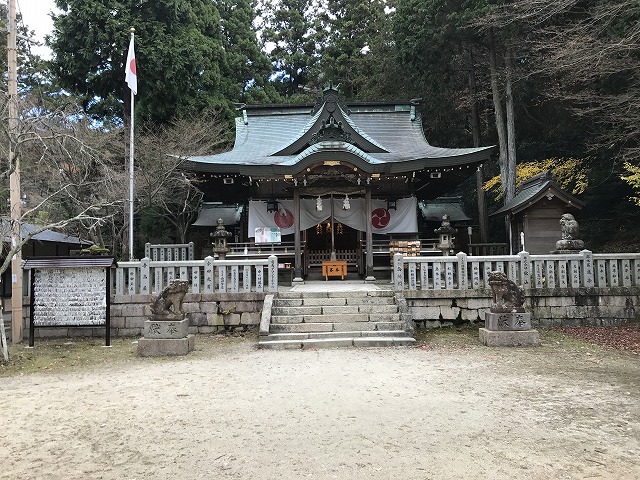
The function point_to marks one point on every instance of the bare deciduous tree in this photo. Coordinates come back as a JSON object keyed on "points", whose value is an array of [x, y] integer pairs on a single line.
{"points": [[163, 187], [70, 174]]}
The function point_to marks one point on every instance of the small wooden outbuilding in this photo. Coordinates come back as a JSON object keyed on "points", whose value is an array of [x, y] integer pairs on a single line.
{"points": [[535, 211]]}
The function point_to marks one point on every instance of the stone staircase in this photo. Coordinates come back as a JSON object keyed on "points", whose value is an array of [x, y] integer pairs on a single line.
{"points": [[365, 318]]}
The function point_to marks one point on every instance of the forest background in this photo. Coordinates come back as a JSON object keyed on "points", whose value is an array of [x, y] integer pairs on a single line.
{"points": [[553, 83]]}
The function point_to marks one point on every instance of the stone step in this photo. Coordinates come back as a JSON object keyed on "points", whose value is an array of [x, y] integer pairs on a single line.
{"points": [[371, 302], [334, 310], [378, 309], [333, 327], [347, 333], [373, 341], [335, 319], [337, 301], [362, 318], [277, 311], [337, 294]]}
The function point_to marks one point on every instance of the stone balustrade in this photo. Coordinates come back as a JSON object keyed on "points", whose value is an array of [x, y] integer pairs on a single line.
{"points": [[205, 276], [566, 289], [532, 272]]}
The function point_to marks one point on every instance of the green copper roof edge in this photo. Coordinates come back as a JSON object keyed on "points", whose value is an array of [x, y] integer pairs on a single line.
{"points": [[474, 158]]}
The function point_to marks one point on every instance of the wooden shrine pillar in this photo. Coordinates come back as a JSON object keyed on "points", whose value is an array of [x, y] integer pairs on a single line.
{"points": [[297, 273], [369, 240]]}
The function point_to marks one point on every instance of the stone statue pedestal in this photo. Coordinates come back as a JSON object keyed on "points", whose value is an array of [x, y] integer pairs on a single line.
{"points": [[511, 329], [568, 246], [164, 337]]}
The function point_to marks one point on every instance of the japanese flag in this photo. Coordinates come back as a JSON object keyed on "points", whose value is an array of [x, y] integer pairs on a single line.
{"points": [[130, 69]]}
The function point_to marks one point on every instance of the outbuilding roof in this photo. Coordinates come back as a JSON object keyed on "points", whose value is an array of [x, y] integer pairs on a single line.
{"points": [[434, 210], [46, 235], [534, 189]]}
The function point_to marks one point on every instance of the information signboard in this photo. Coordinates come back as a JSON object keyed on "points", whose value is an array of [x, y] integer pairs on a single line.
{"points": [[268, 235]]}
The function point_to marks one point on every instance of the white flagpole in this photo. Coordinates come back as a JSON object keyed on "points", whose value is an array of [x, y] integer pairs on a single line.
{"points": [[131, 182], [131, 170]]}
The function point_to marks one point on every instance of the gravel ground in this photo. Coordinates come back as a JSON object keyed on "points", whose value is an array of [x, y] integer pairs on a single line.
{"points": [[448, 409]]}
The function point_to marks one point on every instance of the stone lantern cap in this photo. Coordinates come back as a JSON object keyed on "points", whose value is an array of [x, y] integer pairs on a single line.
{"points": [[220, 231], [446, 227]]}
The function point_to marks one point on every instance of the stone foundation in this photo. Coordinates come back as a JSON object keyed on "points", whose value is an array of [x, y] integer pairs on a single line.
{"points": [[221, 312], [549, 307], [507, 321], [508, 329], [160, 347], [166, 328], [509, 338]]}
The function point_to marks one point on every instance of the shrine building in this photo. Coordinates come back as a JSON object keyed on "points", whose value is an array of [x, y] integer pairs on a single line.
{"points": [[334, 180]]}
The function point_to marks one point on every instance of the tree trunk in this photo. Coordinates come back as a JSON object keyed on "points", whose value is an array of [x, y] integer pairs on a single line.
{"points": [[483, 221], [503, 159], [499, 114], [510, 186]]}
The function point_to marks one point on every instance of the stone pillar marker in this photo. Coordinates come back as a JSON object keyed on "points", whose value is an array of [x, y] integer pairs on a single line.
{"points": [[167, 330], [507, 324]]}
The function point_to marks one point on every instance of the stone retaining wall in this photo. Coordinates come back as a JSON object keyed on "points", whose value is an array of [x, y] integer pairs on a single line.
{"points": [[548, 307], [207, 312], [218, 312]]}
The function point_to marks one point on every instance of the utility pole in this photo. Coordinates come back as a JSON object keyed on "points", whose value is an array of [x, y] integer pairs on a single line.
{"points": [[14, 181]]}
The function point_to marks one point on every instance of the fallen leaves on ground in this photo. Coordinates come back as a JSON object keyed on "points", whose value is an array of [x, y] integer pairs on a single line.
{"points": [[621, 337]]}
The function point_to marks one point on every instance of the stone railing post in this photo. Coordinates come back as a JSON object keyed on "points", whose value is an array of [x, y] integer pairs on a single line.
{"points": [[525, 270], [208, 275], [273, 273], [133, 273], [195, 279], [462, 270], [145, 276], [398, 272], [119, 281], [588, 276]]}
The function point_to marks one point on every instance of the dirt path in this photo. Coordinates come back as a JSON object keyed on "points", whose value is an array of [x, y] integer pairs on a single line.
{"points": [[437, 412]]}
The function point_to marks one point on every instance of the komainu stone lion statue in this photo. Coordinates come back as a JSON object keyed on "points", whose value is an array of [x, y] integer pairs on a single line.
{"points": [[569, 227], [507, 296], [171, 297]]}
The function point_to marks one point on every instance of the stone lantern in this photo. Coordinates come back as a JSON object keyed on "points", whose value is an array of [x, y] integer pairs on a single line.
{"points": [[220, 240], [445, 233]]}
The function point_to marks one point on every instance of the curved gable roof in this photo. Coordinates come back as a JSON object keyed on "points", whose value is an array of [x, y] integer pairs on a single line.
{"points": [[342, 128], [378, 137]]}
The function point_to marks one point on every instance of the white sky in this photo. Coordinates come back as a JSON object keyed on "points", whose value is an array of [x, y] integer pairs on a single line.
{"points": [[35, 15]]}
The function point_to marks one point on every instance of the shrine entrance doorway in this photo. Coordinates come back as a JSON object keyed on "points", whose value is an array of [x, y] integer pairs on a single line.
{"points": [[346, 246]]}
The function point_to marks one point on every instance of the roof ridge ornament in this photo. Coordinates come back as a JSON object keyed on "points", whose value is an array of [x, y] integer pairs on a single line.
{"points": [[331, 130], [331, 99]]}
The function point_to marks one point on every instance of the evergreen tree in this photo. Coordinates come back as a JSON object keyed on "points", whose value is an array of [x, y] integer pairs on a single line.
{"points": [[32, 71], [179, 54], [290, 31], [248, 67], [351, 28]]}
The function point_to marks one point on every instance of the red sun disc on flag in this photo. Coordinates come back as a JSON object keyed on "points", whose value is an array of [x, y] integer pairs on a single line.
{"points": [[132, 66], [284, 219], [380, 217]]}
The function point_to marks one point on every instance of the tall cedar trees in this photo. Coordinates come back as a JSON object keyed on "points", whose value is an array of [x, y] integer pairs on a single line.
{"points": [[351, 29], [179, 52], [291, 32]]}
